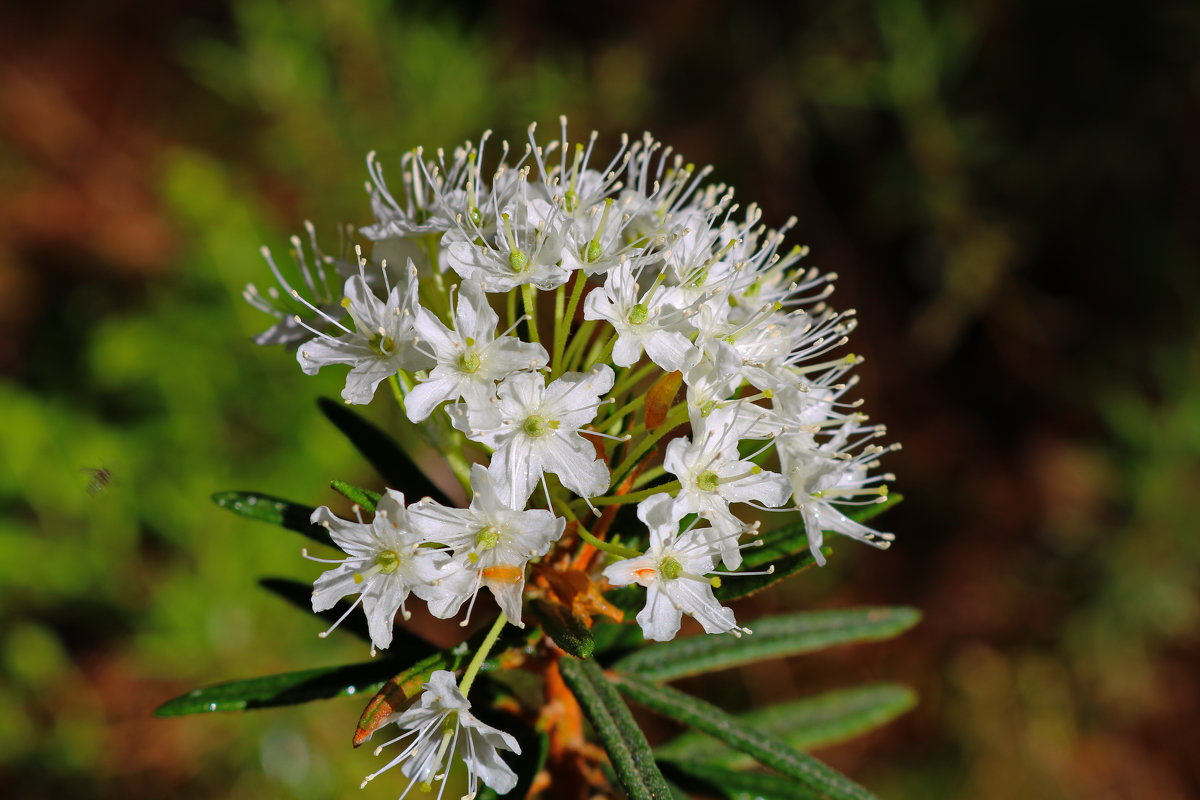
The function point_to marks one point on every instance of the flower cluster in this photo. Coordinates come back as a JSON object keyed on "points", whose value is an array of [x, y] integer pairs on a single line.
{"points": [[623, 286]]}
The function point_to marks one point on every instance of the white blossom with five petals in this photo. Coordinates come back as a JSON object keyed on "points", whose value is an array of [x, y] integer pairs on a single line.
{"points": [[492, 541], [440, 726], [673, 571], [385, 563], [470, 359]]}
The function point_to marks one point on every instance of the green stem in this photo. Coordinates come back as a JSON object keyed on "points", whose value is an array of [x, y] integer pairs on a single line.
{"points": [[634, 497], [677, 416], [529, 296], [481, 654], [510, 301], [608, 547], [455, 457], [590, 538], [633, 380], [651, 474], [620, 413], [577, 343], [596, 357], [564, 321]]}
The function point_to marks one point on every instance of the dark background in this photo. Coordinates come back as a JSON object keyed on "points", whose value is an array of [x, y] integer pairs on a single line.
{"points": [[1008, 191]]}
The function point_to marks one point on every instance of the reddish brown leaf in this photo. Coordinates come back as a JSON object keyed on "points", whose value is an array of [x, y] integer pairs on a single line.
{"points": [[661, 397]]}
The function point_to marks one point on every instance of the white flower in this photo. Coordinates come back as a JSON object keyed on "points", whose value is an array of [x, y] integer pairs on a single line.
{"points": [[385, 562], [595, 241], [673, 570], [527, 247], [641, 319], [535, 428], [712, 475], [469, 358], [492, 541], [380, 344], [824, 475], [295, 312], [439, 726]]}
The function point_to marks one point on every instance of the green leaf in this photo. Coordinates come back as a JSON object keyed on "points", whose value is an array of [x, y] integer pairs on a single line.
{"points": [[388, 458], [363, 497], [734, 587], [276, 511], [766, 749], [715, 781], [287, 688], [804, 724], [627, 747], [391, 696], [773, 637], [567, 630]]}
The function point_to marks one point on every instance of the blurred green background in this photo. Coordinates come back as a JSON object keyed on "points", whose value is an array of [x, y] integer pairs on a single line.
{"points": [[1009, 191]]}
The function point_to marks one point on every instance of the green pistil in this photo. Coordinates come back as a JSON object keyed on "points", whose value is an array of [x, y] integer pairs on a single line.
{"points": [[571, 198], [708, 481], [592, 252], [639, 314], [382, 344], [538, 426], [699, 278], [469, 362], [517, 261], [387, 561], [669, 568], [476, 217], [487, 538]]}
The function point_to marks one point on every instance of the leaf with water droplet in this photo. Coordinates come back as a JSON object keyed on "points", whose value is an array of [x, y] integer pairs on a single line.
{"points": [[276, 511]]}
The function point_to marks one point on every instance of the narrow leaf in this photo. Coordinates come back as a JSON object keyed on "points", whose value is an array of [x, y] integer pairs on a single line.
{"points": [[774, 637], [287, 688], [388, 458], [804, 724], [395, 692], [627, 748], [568, 631], [766, 749], [363, 497], [265, 508], [715, 781]]}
